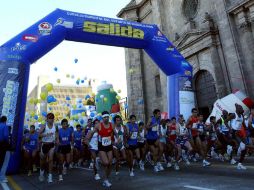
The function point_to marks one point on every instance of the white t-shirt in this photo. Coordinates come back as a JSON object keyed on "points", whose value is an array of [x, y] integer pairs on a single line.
{"points": [[236, 123], [49, 135], [94, 141]]}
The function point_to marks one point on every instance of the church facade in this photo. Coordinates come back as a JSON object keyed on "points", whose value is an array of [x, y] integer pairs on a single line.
{"points": [[215, 36]]}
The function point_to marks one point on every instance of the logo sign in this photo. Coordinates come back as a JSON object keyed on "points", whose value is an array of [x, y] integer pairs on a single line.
{"points": [[18, 47], [31, 38], [64, 23], [13, 71], [45, 28]]}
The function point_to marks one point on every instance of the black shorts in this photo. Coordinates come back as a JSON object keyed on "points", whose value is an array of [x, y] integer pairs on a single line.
{"points": [[151, 142], [104, 148], [141, 145], [64, 149], [202, 138], [132, 147], [46, 147]]}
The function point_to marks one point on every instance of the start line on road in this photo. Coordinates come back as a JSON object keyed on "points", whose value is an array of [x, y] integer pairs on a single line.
{"points": [[198, 188]]}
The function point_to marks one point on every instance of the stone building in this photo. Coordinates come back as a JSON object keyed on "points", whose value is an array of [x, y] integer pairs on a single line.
{"points": [[215, 36]]}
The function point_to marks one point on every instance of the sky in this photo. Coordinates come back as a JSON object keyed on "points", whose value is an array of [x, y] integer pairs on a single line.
{"points": [[102, 63]]}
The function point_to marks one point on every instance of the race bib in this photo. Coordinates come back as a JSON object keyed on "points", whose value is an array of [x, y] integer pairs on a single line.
{"points": [[155, 128], [173, 132], [32, 143], [134, 135], [194, 125], [106, 141], [64, 139]]}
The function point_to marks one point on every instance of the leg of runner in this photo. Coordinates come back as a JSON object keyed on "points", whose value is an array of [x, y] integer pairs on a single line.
{"points": [[50, 161], [105, 162], [160, 154], [154, 153], [34, 156], [96, 175], [60, 165], [42, 165], [130, 161], [117, 157]]}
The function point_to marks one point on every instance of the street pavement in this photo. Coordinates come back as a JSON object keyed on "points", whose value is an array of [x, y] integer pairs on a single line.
{"points": [[216, 177]]}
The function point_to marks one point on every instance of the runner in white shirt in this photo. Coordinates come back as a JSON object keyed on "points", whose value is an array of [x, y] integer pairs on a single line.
{"points": [[48, 134]]}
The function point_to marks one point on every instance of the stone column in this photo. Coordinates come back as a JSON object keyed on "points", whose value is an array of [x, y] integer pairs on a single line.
{"points": [[134, 84], [247, 45]]}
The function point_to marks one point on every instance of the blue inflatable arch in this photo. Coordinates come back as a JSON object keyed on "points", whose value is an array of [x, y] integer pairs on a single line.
{"points": [[20, 52]]}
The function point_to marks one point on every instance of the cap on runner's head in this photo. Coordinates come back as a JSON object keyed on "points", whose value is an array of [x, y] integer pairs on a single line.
{"points": [[105, 114], [50, 116]]}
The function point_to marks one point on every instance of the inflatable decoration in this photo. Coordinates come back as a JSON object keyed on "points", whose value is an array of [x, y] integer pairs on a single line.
{"points": [[17, 54]]}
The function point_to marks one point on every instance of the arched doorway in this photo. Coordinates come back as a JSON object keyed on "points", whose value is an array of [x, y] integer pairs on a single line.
{"points": [[205, 92]]}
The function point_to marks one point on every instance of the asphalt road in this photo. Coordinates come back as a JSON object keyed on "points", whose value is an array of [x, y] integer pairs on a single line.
{"points": [[218, 176]]}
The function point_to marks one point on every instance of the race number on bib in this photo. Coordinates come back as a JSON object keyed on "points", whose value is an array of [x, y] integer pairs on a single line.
{"points": [[106, 141], [155, 128], [134, 135], [64, 139]]}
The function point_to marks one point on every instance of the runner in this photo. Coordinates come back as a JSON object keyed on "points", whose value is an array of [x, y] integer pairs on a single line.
{"points": [[142, 143], [119, 136], [78, 148], [171, 134], [48, 134], [64, 140], [182, 140], [152, 137], [162, 142], [201, 139], [92, 141], [30, 148], [105, 146], [239, 135], [132, 144]]}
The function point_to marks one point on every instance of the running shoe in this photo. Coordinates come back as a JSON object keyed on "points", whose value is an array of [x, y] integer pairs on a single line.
{"points": [[232, 161], [34, 168], [106, 183], [156, 169], [176, 167], [206, 163], [169, 165], [241, 167], [160, 167], [50, 180], [97, 177], [60, 177]]}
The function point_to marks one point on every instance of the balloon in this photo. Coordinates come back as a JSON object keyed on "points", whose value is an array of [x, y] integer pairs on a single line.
{"points": [[77, 82], [74, 106], [111, 90], [43, 122], [68, 98], [36, 117], [44, 114], [75, 60], [105, 99], [82, 81], [51, 99], [31, 101], [93, 94], [92, 114], [72, 76], [119, 91], [87, 96], [83, 113], [32, 114], [58, 80], [96, 100], [67, 75], [118, 97], [49, 87], [101, 96], [81, 121], [99, 117], [79, 106], [55, 69]]}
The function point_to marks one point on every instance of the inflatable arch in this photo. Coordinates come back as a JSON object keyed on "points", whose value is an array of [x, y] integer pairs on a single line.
{"points": [[20, 52]]}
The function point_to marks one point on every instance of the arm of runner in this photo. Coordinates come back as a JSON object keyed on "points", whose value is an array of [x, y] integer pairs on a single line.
{"points": [[149, 124]]}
